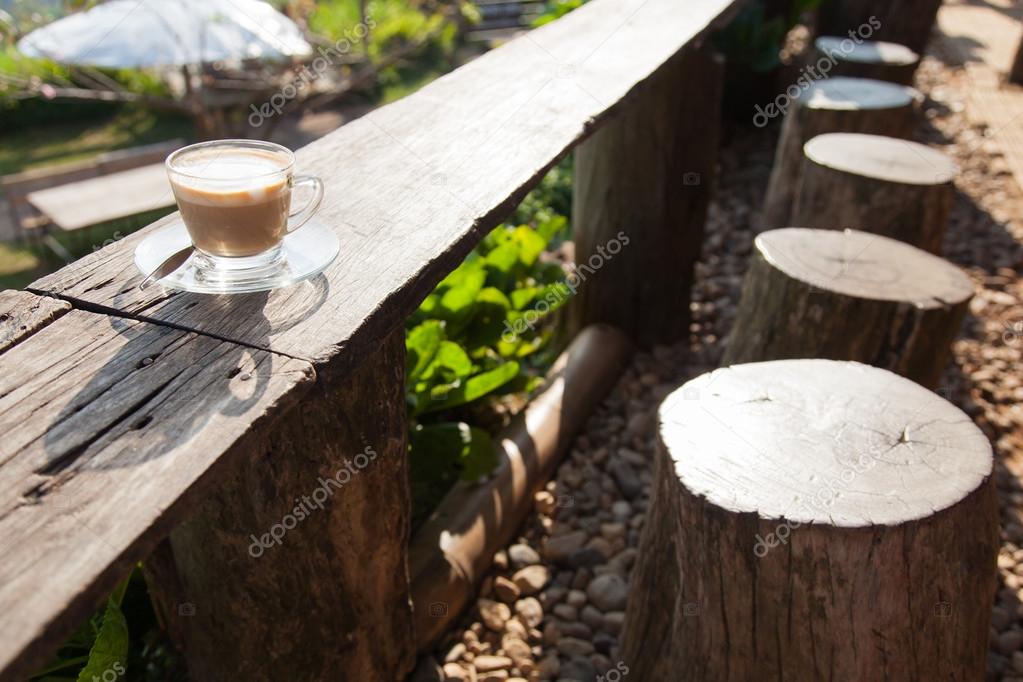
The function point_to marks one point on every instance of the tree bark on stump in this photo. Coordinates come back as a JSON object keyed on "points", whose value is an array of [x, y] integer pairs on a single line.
{"points": [[881, 61], [836, 105], [896, 188], [642, 185], [257, 590], [848, 296], [828, 520], [908, 22]]}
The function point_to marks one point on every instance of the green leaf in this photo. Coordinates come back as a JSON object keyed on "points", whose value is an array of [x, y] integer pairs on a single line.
{"points": [[449, 450], [456, 303], [530, 244], [450, 356], [421, 345], [474, 388], [110, 650], [552, 227]]}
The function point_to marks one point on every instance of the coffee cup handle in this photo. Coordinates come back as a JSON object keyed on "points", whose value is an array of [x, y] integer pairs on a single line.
{"points": [[297, 219]]}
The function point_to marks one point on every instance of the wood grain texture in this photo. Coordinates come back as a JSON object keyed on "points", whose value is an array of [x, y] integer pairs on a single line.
{"points": [[411, 187], [883, 185], [908, 22], [877, 60], [848, 296], [23, 314], [814, 520], [108, 442], [642, 186], [853, 105], [303, 548]]}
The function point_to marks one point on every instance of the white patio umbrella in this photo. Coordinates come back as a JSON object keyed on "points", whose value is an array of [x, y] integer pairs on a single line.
{"points": [[148, 33]]}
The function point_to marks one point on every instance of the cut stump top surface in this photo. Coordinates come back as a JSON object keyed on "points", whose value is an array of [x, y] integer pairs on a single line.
{"points": [[857, 93], [822, 441], [864, 265], [881, 158], [867, 51]]}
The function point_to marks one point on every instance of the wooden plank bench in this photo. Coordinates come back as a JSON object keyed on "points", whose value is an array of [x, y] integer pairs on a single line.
{"points": [[140, 414]]}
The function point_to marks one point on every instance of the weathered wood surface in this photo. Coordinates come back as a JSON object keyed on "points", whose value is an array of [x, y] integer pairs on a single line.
{"points": [[411, 187], [96, 200], [23, 314], [814, 520], [908, 22], [111, 428], [853, 105], [883, 185], [303, 547], [848, 296], [878, 60], [642, 186]]}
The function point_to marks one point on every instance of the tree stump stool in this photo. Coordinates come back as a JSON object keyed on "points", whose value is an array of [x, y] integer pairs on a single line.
{"points": [[897, 188], [848, 296], [835, 105], [879, 60], [814, 520], [907, 22]]}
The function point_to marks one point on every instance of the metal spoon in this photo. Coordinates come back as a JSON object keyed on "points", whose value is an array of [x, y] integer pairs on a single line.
{"points": [[173, 262]]}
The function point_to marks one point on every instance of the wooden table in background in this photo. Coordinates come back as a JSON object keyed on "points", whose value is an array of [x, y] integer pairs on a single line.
{"points": [[97, 200]]}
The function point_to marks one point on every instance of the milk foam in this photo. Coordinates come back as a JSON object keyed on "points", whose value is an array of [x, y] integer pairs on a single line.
{"points": [[230, 177]]}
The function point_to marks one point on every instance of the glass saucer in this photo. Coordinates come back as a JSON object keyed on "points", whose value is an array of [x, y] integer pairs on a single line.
{"points": [[305, 253]]}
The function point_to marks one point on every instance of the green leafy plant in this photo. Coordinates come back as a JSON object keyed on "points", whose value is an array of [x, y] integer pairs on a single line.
{"points": [[754, 38], [555, 9], [460, 352]]}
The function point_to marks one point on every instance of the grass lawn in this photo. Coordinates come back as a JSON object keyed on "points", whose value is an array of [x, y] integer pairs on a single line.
{"points": [[40, 146], [75, 140]]}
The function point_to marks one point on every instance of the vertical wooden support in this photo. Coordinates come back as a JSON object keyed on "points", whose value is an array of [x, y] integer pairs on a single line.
{"points": [[814, 520], [295, 566], [642, 186], [852, 105], [908, 22]]}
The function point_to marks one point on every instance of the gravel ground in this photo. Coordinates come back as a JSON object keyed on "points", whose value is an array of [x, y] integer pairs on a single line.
{"points": [[553, 604]]}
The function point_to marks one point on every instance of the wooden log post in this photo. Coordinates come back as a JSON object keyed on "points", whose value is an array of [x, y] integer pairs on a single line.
{"points": [[303, 547], [642, 184], [908, 22], [814, 519], [848, 296], [878, 60], [835, 105], [896, 188]]}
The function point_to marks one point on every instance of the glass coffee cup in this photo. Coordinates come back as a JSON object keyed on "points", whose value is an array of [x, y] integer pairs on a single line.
{"points": [[235, 200]]}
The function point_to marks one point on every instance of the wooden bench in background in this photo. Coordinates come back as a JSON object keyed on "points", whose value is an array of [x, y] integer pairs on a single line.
{"points": [[190, 425]]}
